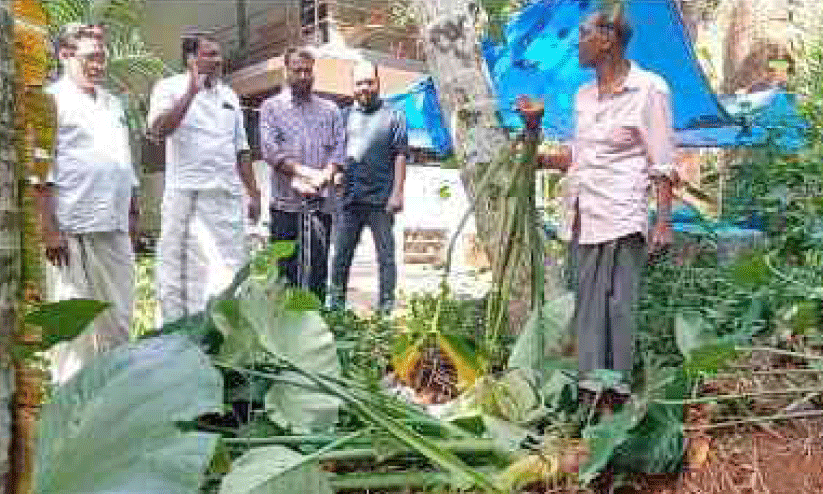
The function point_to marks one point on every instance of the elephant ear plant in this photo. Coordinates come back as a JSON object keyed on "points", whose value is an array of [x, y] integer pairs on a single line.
{"points": [[118, 426]]}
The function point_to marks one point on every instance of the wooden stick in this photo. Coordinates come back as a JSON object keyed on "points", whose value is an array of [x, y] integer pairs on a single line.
{"points": [[755, 394], [771, 418], [778, 351]]}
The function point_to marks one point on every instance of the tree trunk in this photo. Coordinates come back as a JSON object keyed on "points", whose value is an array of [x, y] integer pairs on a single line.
{"points": [[10, 260], [451, 30]]}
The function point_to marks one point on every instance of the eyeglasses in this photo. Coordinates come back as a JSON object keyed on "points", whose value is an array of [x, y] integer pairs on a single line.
{"points": [[586, 30]]}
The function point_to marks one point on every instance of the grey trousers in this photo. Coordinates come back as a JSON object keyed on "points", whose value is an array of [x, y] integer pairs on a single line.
{"points": [[608, 286]]}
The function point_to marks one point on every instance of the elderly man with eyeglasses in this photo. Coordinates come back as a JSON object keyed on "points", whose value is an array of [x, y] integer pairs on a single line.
{"points": [[87, 203], [623, 144]]}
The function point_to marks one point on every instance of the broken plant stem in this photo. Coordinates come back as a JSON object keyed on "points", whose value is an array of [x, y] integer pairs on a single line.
{"points": [[770, 372], [710, 399], [754, 420], [363, 404], [778, 351]]}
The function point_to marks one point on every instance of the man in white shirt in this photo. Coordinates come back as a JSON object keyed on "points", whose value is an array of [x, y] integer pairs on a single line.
{"points": [[86, 206], [201, 233]]}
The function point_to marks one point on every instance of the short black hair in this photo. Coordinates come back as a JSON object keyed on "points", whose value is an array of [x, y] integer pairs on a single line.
{"points": [[190, 43], [293, 52]]}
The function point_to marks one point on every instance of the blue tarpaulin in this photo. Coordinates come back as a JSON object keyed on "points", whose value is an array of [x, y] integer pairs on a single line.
{"points": [[424, 118], [539, 58]]}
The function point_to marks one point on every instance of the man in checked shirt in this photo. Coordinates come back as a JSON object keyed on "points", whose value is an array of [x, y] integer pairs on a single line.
{"points": [[303, 139]]}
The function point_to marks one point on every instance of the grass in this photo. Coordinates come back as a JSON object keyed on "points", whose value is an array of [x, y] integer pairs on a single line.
{"points": [[145, 298]]}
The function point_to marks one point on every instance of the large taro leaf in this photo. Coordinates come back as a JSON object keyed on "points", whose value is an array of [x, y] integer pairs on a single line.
{"points": [[657, 444], [302, 337], [112, 428], [604, 439], [647, 434], [512, 397], [274, 470], [556, 336], [702, 349]]}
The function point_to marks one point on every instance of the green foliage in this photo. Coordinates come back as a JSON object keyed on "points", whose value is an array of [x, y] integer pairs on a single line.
{"points": [[604, 438], [645, 435], [499, 12], [274, 470], [553, 331], [64, 320], [144, 318], [365, 344], [282, 321], [450, 315], [657, 443], [112, 428]]}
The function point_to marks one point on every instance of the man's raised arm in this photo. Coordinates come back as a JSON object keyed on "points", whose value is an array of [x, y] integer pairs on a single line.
{"points": [[166, 112]]}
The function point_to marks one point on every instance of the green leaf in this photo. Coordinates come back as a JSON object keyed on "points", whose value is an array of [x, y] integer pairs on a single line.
{"points": [[240, 342], [281, 249], [372, 409], [65, 320], [750, 271], [302, 300], [688, 331], [604, 438], [266, 261], [274, 470], [560, 391], [710, 358], [111, 429], [702, 350], [198, 328], [554, 331], [304, 337], [657, 444], [301, 337]]}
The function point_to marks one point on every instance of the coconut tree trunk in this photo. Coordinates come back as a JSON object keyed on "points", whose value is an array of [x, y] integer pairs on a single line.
{"points": [[451, 30], [10, 260]]}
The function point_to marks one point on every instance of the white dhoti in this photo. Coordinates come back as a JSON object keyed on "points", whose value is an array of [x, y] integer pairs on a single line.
{"points": [[100, 267], [201, 249]]}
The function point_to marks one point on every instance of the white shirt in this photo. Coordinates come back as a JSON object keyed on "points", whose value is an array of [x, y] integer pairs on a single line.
{"points": [[622, 141], [93, 173], [201, 154]]}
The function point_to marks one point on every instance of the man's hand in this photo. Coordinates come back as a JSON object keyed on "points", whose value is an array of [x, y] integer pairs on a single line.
{"points": [[531, 111], [319, 178], [395, 203], [553, 156], [57, 247], [303, 186], [254, 206], [195, 81], [662, 236]]}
